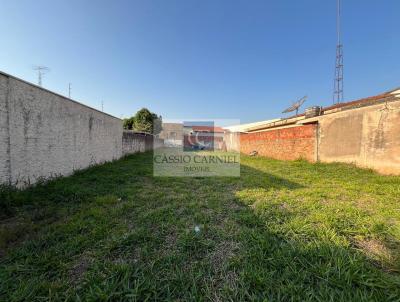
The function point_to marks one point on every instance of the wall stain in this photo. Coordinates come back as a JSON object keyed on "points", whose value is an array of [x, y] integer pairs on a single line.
{"points": [[379, 137], [40, 122], [26, 116]]}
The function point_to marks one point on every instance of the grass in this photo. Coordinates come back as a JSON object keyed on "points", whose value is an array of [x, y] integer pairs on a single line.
{"points": [[282, 231]]}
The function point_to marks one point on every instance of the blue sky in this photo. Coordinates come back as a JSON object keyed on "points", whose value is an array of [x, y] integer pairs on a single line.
{"points": [[189, 59]]}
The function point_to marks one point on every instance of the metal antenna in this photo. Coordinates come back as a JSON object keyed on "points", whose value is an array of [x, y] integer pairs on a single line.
{"points": [[41, 71], [69, 90], [338, 84], [102, 106]]}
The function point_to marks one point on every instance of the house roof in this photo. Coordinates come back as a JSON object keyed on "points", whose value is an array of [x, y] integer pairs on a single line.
{"points": [[208, 129], [368, 101], [392, 95], [245, 127]]}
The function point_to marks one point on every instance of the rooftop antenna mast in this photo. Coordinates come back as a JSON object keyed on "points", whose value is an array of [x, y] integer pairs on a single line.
{"points": [[296, 106], [69, 90], [338, 85], [41, 71]]}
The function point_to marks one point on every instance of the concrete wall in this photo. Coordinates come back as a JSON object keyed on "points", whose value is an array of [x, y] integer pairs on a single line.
{"points": [[368, 137], [4, 133], [134, 142], [44, 134], [232, 141], [172, 131], [298, 142]]}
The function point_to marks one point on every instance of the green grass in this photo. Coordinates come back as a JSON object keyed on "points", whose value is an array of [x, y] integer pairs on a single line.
{"points": [[282, 231]]}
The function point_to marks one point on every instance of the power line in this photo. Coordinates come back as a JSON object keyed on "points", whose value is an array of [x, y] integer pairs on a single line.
{"points": [[338, 82], [41, 70]]}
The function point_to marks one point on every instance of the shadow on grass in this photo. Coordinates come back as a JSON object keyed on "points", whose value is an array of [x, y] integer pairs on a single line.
{"points": [[112, 178], [24, 211], [131, 235]]}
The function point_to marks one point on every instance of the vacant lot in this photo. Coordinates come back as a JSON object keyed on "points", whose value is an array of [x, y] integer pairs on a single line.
{"points": [[282, 231]]}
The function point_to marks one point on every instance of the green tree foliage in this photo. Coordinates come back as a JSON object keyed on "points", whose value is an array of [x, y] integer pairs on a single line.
{"points": [[128, 123], [145, 121]]}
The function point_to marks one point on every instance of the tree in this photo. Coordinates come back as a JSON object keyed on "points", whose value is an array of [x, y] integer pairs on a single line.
{"points": [[128, 123], [144, 121]]}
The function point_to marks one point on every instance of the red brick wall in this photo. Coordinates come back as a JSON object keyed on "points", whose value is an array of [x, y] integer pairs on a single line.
{"points": [[286, 144]]}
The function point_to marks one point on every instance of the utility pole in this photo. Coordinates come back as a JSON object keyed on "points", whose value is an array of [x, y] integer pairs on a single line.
{"points": [[338, 82], [41, 70]]}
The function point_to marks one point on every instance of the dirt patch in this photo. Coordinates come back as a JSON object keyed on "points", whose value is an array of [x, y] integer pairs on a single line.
{"points": [[235, 206], [170, 243], [79, 269], [134, 257], [367, 204], [379, 253], [374, 247], [222, 253], [231, 279], [224, 280], [284, 206], [170, 240], [125, 256]]}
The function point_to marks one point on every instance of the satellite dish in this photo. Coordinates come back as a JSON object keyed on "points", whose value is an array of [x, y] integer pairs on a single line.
{"points": [[296, 106]]}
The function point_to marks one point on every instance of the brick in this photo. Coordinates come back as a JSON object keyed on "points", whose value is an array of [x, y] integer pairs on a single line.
{"points": [[284, 144]]}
